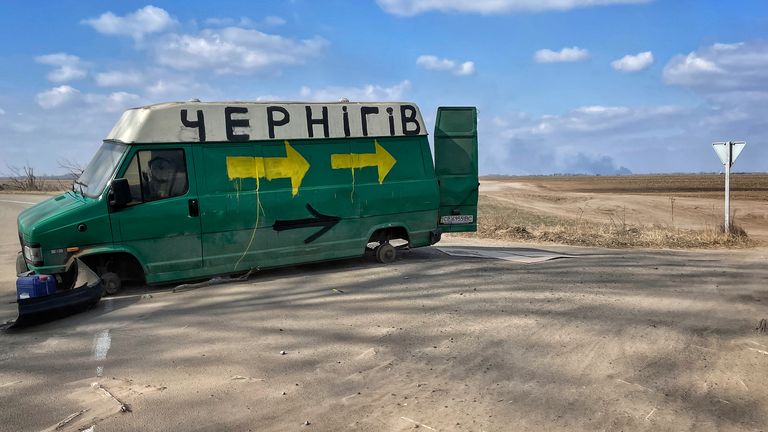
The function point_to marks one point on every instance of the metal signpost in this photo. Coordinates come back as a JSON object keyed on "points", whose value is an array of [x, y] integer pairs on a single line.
{"points": [[728, 152]]}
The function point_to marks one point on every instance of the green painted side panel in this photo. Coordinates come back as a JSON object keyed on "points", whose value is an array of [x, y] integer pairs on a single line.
{"points": [[456, 167], [324, 251], [408, 187], [237, 236]]}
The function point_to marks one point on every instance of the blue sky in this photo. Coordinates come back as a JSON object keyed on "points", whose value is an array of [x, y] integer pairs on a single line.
{"points": [[581, 86]]}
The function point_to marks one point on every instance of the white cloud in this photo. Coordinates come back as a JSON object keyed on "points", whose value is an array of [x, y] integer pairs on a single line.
{"points": [[155, 83], [592, 139], [228, 22], [68, 67], [273, 21], [723, 68], [594, 118], [633, 63], [2, 111], [467, 68], [573, 54], [234, 50], [601, 110], [73, 131], [66, 73], [601, 139], [434, 63], [58, 59], [57, 96], [270, 98], [269, 21], [119, 78], [431, 62], [685, 70], [149, 19], [733, 80], [365, 93], [490, 7], [176, 87], [71, 97], [113, 102]]}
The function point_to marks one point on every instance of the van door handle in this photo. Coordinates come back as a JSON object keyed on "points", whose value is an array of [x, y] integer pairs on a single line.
{"points": [[194, 208]]}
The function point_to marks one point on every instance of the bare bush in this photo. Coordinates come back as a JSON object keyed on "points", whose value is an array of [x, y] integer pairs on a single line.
{"points": [[72, 168], [22, 178], [73, 172], [736, 231]]}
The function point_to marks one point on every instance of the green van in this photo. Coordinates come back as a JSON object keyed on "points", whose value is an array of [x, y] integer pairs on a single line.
{"points": [[182, 191]]}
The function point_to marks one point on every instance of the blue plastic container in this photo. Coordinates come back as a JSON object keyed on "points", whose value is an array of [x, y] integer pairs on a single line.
{"points": [[33, 286]]}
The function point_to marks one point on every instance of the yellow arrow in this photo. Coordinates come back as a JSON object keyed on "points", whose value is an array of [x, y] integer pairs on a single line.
{"points": [[292, 166], [381, 159]]}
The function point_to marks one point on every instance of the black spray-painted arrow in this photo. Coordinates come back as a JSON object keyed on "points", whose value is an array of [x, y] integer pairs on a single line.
{"points": [[319, 220]]}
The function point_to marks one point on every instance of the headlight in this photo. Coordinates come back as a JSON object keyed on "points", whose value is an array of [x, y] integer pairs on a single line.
{"points": [[33, 255]]}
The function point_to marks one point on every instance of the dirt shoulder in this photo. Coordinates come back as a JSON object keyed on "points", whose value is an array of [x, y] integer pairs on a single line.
{"points": [[612, 340]]}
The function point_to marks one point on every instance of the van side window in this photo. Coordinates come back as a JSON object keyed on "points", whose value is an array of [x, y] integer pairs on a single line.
{"points": [[157, 174]]}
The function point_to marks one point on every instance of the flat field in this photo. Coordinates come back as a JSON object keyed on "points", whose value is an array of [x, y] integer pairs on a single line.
{"points": [[743, 186], [22, 185], [669, 210]]}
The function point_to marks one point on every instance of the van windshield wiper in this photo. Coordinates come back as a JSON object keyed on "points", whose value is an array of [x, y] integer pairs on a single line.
{"points": [[81, 184]]}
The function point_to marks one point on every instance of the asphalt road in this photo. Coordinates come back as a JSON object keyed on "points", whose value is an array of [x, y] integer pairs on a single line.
{"points": [[10, 206], [611, 340]]}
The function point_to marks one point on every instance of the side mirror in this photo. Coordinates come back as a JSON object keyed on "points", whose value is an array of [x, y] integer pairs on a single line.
{"points": [[120, 194]]}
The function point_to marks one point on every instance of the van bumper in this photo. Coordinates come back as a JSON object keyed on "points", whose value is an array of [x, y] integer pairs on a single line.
{"points": [[85, 292], [435, 235], [21, 264], [58, 304], [49, 270]]}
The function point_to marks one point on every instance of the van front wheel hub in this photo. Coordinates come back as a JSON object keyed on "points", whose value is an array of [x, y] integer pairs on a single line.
{"points": [[111, 282]]}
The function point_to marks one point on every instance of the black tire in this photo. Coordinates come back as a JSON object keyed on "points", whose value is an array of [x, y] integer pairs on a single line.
{"points": [[386, 253], [111, 282], [21, 264]]}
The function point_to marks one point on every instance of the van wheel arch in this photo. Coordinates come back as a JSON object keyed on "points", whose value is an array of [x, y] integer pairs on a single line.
{"points": [[387, 234], [124, 264]]}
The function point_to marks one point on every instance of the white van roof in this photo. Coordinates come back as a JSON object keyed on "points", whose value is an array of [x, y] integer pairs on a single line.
{"points": [[251, 121]]}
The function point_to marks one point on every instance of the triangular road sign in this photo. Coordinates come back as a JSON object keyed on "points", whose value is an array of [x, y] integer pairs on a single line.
{"points": [[721, 148], [738, 146]]}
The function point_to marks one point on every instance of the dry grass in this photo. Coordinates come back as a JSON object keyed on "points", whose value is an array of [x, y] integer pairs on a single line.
{"points": [[500, 220]]}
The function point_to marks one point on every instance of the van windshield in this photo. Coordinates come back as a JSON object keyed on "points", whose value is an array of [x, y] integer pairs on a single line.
{"points": [[100, 170]]}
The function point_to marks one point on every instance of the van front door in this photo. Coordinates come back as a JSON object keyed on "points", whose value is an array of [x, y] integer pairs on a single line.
{"points": [[161, 225]]}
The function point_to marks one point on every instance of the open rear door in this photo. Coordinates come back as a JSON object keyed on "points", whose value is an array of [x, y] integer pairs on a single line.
{"points": [[456, 167]]}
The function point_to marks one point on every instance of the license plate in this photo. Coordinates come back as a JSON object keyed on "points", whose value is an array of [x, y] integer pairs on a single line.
{"points": [[456, 219]]}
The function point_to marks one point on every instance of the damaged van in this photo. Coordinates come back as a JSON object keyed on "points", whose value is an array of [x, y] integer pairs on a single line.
{"points": [[181, 191]]}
